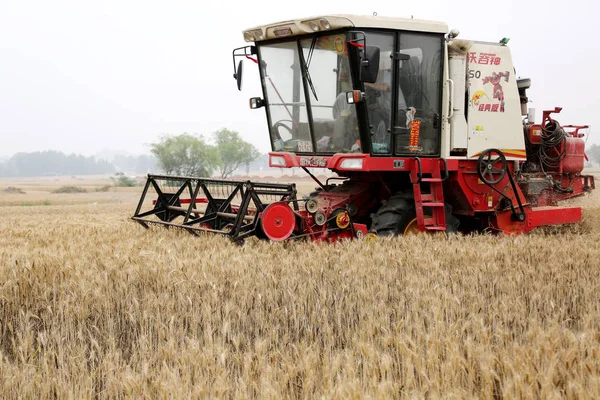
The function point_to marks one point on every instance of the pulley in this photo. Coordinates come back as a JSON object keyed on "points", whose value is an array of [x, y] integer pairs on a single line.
{"points": [[312, 206], [320, 218], [342, 220]]}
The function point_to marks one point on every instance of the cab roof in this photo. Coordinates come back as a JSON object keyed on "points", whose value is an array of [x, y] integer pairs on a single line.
{"points": [[330, 22]]}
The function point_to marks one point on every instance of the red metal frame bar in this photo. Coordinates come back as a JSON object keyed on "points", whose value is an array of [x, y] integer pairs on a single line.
{"points": [[542, 216]]}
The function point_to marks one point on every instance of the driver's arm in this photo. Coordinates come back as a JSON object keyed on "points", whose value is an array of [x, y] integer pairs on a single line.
{"points": [[381, 87]]}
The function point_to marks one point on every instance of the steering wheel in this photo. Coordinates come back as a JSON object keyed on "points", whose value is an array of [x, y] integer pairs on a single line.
{"points": [[487, 168], [279, 124]]}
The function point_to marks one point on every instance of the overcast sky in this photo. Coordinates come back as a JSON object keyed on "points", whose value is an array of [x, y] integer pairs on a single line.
{"points": [[83, 76]]}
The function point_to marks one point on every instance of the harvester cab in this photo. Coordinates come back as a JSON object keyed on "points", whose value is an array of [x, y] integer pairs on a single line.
{"points": [[424, 131]]}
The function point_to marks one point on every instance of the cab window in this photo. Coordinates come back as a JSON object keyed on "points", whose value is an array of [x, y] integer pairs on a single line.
{"points": [[419, 90]]}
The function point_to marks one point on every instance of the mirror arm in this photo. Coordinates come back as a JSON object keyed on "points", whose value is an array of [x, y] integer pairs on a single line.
{"points": [[248, 51]]}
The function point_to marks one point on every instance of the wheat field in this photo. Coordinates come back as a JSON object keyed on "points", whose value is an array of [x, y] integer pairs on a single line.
{"points": [[93, 305]]}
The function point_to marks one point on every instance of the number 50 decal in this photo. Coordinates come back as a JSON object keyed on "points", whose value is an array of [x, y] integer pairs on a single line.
{"points": [[474, 74]]}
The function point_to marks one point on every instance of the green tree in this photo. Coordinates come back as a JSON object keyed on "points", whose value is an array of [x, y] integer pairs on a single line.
{"points": [[233, 151], [185, 155]]}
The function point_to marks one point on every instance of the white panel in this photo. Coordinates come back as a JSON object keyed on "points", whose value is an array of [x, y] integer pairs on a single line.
{"points": [[494, 113]]}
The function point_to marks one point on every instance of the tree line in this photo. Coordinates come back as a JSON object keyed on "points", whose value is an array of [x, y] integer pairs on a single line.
{"points": [[54, 163]]}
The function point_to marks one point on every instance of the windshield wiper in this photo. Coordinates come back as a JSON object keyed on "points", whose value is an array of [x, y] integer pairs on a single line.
{"points": [[306, 63]]}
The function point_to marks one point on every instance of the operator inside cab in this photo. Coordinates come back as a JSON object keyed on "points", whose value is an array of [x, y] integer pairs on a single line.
{"points": [[379, 94], [379, 104]]}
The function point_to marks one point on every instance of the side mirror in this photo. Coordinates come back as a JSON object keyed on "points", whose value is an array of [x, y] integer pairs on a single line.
{"points": [[237, 75], [369, 64]]}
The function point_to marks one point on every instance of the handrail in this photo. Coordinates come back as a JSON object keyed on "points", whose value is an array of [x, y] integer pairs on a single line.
{"points": [[446, 172], [451, 108], [420, 171]]}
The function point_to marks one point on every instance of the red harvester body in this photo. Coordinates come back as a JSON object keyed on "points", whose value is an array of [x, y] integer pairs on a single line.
{"points": [[425, 132]]}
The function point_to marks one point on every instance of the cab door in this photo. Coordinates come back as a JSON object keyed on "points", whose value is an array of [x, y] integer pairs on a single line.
{"points": [[380, 94], [418, 86]]}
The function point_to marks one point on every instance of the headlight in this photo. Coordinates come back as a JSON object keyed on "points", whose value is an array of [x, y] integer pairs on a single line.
{"points": [[352, 163], [277, 161]]}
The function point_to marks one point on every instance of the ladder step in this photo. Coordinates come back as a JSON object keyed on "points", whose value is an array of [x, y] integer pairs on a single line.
{"points": [[435, 228], [429, 198], [432, 180], [433, 204]]}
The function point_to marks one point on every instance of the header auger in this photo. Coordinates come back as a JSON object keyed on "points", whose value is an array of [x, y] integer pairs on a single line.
{"points": [[426, 133]]}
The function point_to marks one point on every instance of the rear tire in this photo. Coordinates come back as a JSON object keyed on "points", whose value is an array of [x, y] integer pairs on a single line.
{"points": [[393, 217]]}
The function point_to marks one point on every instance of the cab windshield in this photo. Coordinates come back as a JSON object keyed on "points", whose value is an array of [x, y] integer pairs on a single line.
{"points": [[305, 82]]}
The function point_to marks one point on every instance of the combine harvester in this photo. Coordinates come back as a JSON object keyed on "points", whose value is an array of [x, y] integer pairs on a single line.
{"points": [[426, 132]]}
